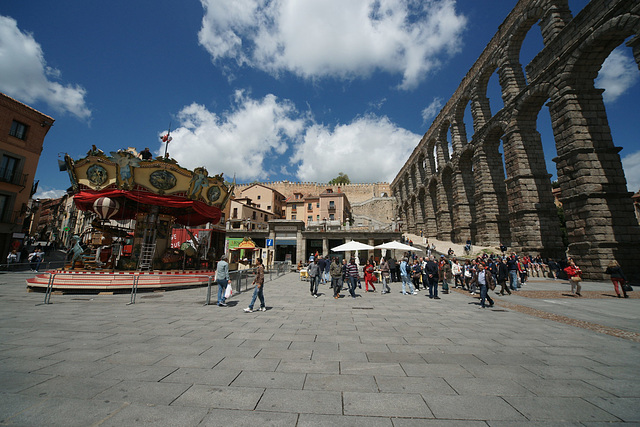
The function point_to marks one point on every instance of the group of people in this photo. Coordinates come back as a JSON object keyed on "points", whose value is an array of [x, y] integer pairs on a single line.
{"points": [[323, 270], [478, 275], [34, 258]]}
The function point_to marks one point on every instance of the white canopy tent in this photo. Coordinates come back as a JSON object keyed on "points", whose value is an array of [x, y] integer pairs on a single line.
{"points": [[352, 246], [399, 246]]}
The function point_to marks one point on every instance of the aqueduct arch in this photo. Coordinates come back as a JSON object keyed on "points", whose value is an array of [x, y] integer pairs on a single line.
{"points": [[473, 192]]}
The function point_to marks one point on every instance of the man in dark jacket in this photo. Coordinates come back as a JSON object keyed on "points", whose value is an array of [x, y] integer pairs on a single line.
{"points": [[392, 269], [503, 276], [336, 277], [431, 276], [322, 264]]}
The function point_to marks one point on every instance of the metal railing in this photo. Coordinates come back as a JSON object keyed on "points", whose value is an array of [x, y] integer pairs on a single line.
{"points": [[239, 280], [16, 267]]}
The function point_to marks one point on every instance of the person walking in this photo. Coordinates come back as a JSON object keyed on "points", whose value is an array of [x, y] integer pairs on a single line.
{"points": [[327, 271], [222, 279], [368, 275], [617, 278], [258, 292], [575, 276], [467, 272], [446, 276], [335, 270], [484, 279], [473, 286], [502, 276], [416, 274], [322, 262], [456, 270], [314, 272], [404, 275], [392, 269], [512, 267], [523, 270], [385, 276], [431, 274], [352, 270]]}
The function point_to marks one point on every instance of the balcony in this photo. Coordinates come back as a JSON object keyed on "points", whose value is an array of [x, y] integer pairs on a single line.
{"points": [[11, 177]]}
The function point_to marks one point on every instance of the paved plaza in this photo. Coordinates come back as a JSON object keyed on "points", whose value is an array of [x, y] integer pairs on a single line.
{"points": [[377, 360]]}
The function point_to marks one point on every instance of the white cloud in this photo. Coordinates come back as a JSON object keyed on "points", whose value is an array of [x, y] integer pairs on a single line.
{"points": [[618, 73], [631, 166], [369, 149], [255, 139], [25, 75], [44, 193], [240, 140], [432, 109], [334, 38]]}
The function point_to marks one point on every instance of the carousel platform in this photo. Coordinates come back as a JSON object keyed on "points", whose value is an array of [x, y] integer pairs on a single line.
{"points": [[119, 281]]}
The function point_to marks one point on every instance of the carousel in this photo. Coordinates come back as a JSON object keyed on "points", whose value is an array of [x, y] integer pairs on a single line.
{"points": [[156, 195]]}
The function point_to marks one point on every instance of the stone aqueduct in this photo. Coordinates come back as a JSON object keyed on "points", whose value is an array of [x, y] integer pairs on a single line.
{"points": [[465, 193]]}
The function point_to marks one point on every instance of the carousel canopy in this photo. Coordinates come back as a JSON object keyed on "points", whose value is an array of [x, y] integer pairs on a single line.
{"points": [[122, 185]]}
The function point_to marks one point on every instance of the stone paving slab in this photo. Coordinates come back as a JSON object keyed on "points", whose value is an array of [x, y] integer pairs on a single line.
{"points": [[378, 360]]}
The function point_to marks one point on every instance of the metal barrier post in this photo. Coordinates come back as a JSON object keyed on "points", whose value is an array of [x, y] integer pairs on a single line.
{"points": [[47, 294], [208, 292], [134, 289]]}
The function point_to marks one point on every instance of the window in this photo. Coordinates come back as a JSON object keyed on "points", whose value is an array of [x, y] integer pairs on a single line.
{"points": [[258, 197], [309, 218], [8, 168], [332, 217], [268, 208], [293, 207], [317, 217], [19, 130], [254, 215], [4, 204], [235, 213], [318, 205], [293, 216], [310, 206]]}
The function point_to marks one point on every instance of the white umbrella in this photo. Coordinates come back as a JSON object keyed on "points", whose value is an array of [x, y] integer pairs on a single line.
{"points": [[398, 246], [352, 246]]}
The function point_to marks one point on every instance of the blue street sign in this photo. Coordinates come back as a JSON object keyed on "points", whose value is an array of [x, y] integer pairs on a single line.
{"points": [[269, 242]]}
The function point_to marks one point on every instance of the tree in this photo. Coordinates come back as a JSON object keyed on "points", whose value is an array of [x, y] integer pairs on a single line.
{"points": [[342, 178]]}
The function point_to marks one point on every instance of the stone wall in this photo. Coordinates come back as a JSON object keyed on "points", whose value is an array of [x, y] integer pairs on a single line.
{"points": [[465, 193], [355, 192], [381, 209]]}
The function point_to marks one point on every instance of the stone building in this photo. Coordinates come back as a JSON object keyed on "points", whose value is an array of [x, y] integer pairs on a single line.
{"points": [[324, 210], [264, 198], [22, 133], [355, 192], [464, 193], [370, 205]]}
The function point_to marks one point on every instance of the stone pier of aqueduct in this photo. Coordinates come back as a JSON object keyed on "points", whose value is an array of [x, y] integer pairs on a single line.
{"points": [[465, 193]]}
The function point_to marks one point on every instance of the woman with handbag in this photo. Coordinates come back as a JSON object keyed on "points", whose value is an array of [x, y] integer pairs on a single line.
{"points": [[416, 274], [575, 276], [617, 277]]}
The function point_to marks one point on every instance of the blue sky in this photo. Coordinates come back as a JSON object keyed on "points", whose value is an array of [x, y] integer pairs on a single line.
{"points": [[265, 90]]}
